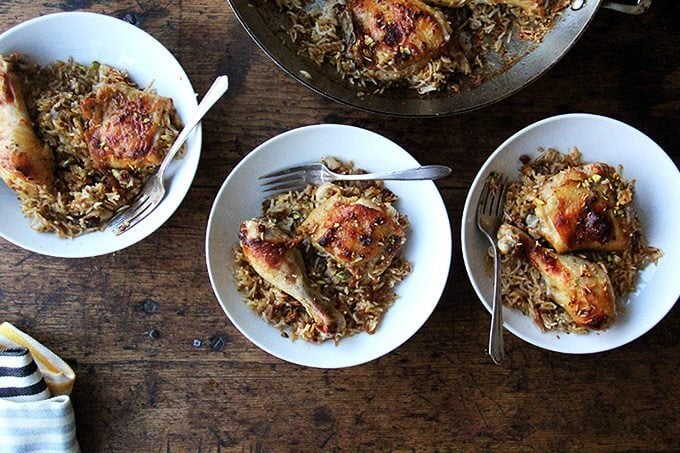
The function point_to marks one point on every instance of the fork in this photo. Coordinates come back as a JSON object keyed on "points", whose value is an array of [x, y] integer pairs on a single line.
{"points": [[489, 215], [299, 176], [154, 189]]}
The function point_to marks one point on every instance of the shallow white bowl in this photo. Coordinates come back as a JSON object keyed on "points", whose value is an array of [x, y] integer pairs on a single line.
{"points": [[428, 245], [87, 37], [657, 187]]}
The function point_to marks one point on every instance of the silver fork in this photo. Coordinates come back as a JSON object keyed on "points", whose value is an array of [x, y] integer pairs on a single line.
{"points": [[299, 176], [154, 189], [489, 217]]}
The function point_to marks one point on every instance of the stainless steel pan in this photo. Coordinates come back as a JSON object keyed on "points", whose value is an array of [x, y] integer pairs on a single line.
{"points": [[266, 25]]}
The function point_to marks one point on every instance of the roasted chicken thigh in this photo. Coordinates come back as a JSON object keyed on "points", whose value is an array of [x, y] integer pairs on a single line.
{"points": [[26, 164], [361, 235], [579, 286], [125, 126], [393, 38], [276, 258], [583, 208]]}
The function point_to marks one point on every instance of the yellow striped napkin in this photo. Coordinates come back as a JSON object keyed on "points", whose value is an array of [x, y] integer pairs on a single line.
{"points": [[35, 410], [58, 375]]}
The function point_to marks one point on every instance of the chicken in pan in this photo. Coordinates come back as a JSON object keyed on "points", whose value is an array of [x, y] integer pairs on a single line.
{"points": [[425, 45], [396, 37]]}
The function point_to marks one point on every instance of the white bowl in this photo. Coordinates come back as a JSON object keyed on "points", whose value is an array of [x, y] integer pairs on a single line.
{"points": [[428, 245], [87, 37], [657, 187]]}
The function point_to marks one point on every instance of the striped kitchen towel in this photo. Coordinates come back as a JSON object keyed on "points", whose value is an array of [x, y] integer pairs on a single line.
{"points": [[31, 419], [58, 375]]}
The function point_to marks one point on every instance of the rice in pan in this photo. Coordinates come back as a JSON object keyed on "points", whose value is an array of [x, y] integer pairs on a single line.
{"points": [[479, 33], [523, 287], [362, 301]]}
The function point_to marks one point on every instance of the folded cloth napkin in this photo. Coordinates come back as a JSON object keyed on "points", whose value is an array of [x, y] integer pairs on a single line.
{"points": [[35, 410]]}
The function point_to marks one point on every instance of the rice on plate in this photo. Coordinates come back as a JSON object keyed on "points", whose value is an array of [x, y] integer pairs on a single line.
{"points": [[361, 299], [78, 110], [601, 140], [522, 285], [85, 38], [427, 248]]}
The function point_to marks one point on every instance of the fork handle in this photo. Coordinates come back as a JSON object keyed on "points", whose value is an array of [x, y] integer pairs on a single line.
{"points": [[496, 347], [217, 89], [427, 172]]}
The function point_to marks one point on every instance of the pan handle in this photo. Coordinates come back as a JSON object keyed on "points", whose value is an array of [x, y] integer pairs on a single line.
{"points": [[639, 7]]}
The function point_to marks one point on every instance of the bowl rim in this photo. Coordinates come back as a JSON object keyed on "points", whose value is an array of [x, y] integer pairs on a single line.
{"points": [[211, 225], [466, 226], [195, 138]]}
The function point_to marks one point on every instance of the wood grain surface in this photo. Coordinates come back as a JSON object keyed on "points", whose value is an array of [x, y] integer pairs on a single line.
{"points": [[439, 391]]}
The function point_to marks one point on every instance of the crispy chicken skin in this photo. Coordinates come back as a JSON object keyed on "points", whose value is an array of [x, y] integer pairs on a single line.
{"points": [[582, 288], [360, 235], [25, 162], [393, 38], [125, 125], [531, 7], [275, 257], [579, 209]]}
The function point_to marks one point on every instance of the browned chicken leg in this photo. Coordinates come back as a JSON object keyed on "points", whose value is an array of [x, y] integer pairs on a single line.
{"points": [[393, 38], [582, 288], [276, 258], [25, 162], [580, 208], [359, 234]]}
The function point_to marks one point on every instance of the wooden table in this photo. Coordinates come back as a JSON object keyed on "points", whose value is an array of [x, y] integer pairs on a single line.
{"points": [[439, 390]]}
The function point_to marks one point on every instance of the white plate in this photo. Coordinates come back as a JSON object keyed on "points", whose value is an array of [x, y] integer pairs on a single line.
{"points": [[87, 37], [428, 246], [656, 201]]}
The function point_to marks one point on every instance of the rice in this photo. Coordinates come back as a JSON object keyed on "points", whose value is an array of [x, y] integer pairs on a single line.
{"points": [[478, 48], [83, 198], [522, 285], [362, 301]]}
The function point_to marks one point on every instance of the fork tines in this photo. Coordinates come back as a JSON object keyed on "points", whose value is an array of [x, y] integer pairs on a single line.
{"points": [[288, 170], [492, 197], [502, 192], [130, 216], [291, 178]]}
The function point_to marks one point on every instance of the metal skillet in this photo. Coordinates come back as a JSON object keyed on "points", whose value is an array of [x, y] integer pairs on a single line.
{"points": [[266, 25]]}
